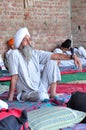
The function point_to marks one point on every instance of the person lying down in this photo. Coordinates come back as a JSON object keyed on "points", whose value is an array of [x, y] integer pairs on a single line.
{"points": [[66, 48]]}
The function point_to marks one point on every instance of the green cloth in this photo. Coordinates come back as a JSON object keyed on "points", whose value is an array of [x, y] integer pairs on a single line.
{"points": [[65, 78], [73, 77], [7, 83]]}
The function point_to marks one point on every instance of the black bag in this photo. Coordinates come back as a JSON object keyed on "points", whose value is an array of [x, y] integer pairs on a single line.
{"points": [[78, 102], [13, 119]]}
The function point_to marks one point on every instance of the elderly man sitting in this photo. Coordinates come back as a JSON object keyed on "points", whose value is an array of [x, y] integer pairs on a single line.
{"points": [[24, 67]]}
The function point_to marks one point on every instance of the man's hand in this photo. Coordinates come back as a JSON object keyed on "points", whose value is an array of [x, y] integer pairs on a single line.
{"points": [[77, 62], [59, 56], [14, 79]]}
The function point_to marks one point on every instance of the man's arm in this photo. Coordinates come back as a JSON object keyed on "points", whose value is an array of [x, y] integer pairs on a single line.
{"points": [[77, 62], [58, 56], [12, 87]]}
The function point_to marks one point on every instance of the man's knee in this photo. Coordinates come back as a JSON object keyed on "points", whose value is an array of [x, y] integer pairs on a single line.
{"points": [[52, 62]]}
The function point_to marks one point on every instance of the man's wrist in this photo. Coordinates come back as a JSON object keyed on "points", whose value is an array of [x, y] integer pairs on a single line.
{"points": [[72, 56]]}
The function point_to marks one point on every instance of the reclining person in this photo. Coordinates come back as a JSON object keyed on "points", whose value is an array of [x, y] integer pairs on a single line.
{"points": [[24, 67], [66, 48]]}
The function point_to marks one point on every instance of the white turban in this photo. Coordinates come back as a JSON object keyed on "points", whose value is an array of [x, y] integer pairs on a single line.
{"points": [[19, 36]]}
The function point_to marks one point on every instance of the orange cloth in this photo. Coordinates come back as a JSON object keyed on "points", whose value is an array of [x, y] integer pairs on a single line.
{"points": [[10, 42]]}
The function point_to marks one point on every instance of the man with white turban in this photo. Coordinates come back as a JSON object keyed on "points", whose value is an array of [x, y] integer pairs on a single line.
{"points": [[24, 62]]}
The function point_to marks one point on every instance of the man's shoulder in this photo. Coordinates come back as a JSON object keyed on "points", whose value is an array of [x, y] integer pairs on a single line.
{"points": [[35, 51], [41, 52], [15, 52]]}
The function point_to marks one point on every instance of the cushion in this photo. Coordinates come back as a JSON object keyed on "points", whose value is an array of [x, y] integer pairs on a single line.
{"points": [[54, 118], [78, 101]]}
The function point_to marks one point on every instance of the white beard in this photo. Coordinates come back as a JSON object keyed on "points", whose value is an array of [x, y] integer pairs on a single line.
{"points": [[27, 52]]}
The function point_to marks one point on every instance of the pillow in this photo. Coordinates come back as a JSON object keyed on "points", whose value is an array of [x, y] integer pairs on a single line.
{"points": [[78, 101], [54, 118]]}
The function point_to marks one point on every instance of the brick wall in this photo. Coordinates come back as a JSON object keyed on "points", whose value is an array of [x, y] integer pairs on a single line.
{"points": [[79, 22], [48, 21]]}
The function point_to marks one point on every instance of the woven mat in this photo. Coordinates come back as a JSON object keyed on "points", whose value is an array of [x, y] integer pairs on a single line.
{"points": [[3, 88], [73, 77]]}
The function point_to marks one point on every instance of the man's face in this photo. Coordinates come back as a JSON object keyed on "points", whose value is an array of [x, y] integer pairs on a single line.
{"points": [[26, 41], [65, 49], [26, 48]]}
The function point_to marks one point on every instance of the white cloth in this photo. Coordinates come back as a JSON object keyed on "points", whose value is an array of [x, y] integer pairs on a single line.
{"points": [[3, 104], [80, 52], [19, 36], [30, 78], [58, 50], [6, 60], [8, 53]]}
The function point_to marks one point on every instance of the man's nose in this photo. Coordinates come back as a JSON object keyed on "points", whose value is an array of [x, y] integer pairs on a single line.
{"points": [[25, 43]]}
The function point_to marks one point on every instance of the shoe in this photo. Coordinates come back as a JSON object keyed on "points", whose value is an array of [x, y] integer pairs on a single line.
{"points": [[43, 96], [46, 100]]}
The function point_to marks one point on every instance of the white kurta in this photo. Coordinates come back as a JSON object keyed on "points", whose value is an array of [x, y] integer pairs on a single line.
{"points": [[30, 78]]}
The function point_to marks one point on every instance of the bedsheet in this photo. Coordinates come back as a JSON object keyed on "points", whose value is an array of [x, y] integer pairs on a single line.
{"points": [[71, 73], [32, 105], [77, 127], [5, 75], [69, 70], [80, 76]]}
